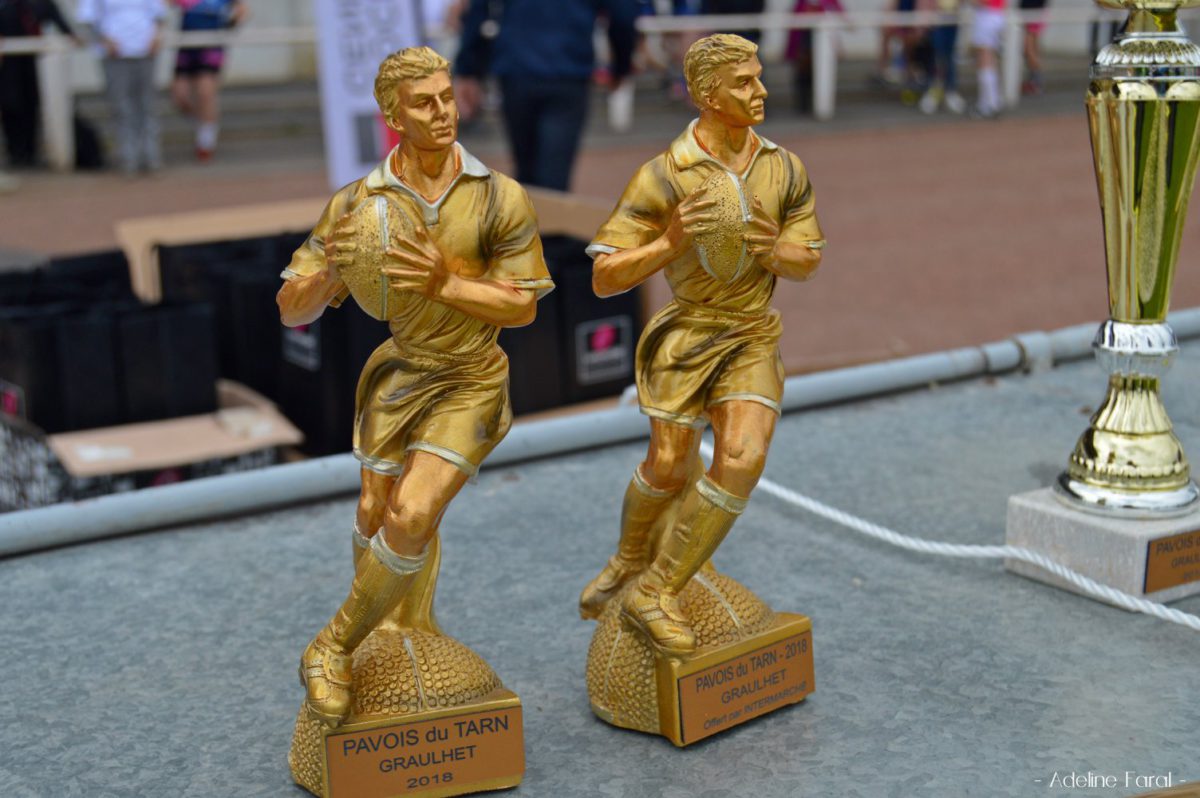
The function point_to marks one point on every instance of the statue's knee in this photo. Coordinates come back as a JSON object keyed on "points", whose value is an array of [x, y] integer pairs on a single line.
{"points": [[411, 523], [741, 466], [371, 512], [666, 471]]}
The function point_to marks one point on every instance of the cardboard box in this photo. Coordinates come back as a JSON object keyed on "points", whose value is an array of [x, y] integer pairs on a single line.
{"points": [[245, 433]]}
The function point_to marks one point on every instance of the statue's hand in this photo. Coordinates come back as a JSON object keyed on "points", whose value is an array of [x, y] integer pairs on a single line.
{"points": [[340, 248], [762, 233], [689, 218], [421, 266]]}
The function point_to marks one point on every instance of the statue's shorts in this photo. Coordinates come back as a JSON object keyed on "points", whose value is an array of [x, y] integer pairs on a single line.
{"points": [[455, 407], [690, 358]]}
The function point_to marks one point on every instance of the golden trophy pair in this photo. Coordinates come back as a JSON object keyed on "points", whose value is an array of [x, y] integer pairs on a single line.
{"points": [[447, 252]]}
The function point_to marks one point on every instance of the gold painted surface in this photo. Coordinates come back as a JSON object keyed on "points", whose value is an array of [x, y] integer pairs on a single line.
{"points": [[390, 683], [622, 666], [446, 250], [1130, 445], [1144, 119], [723, 213], [1145, 149], [722, 250], [378, 221]]}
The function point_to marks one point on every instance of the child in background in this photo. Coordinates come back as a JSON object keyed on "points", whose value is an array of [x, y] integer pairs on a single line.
{"points": [[943, 39], [1033, 49], [197, 70], [985, 37]]}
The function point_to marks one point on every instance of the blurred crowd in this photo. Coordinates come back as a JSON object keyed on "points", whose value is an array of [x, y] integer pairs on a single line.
{"points": [[532, 61]]}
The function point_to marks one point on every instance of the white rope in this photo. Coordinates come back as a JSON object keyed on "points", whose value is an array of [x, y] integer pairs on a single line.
{"points": [[1088, 586]]}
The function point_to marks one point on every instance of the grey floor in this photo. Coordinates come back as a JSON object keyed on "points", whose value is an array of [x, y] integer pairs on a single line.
{"points": [[163, 663]]}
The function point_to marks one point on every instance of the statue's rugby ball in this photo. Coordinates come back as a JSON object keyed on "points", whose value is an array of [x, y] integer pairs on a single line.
{"points": [[378, 221], [722, 250]]}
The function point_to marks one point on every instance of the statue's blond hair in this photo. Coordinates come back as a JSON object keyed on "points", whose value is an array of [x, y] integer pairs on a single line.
{"points": [[709, 54], [411, 63]]}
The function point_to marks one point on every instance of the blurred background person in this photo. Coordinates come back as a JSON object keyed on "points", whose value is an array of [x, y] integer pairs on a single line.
{"points": [[735, 7], [986, 31], [542, 53], [128, 34], [1033, 49], [893, 48], [196, 86], [800, 52], [943, 79], [20, 100]]}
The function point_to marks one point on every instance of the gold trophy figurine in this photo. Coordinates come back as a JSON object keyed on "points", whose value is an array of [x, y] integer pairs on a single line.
{"points": [[680, 649], [1144, 114], [447, 252]]}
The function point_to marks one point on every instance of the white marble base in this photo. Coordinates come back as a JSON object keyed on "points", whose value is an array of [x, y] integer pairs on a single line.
{"points": [[1113, 551]]}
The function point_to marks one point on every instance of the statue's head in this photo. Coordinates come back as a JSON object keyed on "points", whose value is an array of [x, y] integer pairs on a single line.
{"points": [[724, 78], [415, 94]]}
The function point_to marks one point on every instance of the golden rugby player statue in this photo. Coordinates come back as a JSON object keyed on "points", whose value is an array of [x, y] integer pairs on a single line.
{"points": [[448, 253], [724, 213]]}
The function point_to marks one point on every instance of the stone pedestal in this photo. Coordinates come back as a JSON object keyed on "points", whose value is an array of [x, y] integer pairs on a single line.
{"points": [[1158, 559]]}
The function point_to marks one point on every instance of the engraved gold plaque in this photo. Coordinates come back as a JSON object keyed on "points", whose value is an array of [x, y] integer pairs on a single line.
{"points": [[718, 689], [378, 221], [464, 749], [1172, 561]]}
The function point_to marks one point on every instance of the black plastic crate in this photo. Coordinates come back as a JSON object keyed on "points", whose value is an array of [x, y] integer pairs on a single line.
{"points": [[88, 369], [93, 276], [598, 336], [168, 357], [29, 388]]}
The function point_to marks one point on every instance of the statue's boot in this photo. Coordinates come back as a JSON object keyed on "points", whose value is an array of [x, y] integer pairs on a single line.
{"points": [[642, 506], [382, 578], [706, 515]]}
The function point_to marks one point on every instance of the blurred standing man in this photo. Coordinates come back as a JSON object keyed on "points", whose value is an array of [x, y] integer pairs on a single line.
{"points": [[20, 100], [713, 352], [543, 55], [129, 34]]}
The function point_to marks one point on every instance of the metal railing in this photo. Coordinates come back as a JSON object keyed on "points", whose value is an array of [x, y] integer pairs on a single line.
{"points": [[54, 52]]}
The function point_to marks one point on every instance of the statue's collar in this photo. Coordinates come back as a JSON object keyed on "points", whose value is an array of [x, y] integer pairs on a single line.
{"points": [[382, 177], [686, 151]]}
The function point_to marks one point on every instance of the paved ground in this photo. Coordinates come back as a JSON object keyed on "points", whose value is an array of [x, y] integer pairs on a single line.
{"points": [[943, 231], [163, 664]]}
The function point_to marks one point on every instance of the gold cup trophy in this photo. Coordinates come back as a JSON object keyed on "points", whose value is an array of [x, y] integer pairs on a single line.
{"points": [[680, 649], [1144, 116], [447, 252], [1125, 511]]}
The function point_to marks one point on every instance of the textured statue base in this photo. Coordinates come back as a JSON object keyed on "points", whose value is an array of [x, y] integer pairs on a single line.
{"points": [[430, 719], [1155, 558], [749, 661]]}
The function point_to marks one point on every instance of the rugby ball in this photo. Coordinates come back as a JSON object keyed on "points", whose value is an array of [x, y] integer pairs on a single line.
{"points": [[722, 251], [378, 221]]}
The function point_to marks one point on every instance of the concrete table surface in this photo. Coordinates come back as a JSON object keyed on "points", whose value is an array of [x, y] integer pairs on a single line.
{"points": [[164, 663]]}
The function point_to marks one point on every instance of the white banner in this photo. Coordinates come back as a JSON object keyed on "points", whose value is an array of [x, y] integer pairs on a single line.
{"points": [[354, 37]]}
